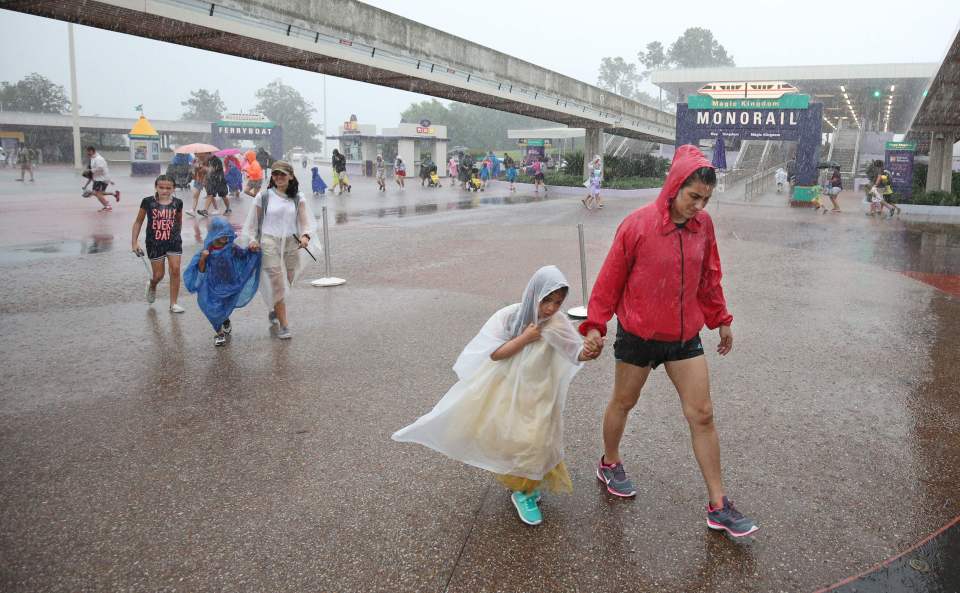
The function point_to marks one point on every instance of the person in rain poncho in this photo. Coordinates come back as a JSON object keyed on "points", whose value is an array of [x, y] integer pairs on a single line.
{"points": [[281, 224], [504, 414], [234, 175], [224, 275], [661, 278], [593, 184], [780, 176], [254, 173], [317, 183]]}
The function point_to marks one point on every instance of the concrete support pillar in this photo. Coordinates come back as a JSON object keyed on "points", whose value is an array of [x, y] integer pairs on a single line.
{"points": [[440, 157], [946, 166], [935, 168], [405, 150], [591, 147]]}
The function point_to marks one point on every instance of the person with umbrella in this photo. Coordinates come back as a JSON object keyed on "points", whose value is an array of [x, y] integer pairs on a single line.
{"points": [[202, 153], [593, 184]]}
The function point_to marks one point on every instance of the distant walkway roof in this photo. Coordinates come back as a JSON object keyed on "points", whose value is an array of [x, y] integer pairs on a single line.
{"points": [[852, 92], [96, 122]]}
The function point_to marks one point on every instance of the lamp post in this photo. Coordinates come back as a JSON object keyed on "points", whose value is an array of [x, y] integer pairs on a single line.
{"points": [[74, 107]]}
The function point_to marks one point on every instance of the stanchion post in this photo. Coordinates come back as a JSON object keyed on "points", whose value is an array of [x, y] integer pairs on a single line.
{"points": [[581, 312], [327, 279]]}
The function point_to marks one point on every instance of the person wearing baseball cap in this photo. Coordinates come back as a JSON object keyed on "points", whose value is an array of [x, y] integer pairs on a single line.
{"points": [[281, 224]]}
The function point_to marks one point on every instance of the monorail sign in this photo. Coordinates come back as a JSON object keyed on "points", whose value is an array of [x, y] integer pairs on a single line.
{"points": [[790, 118]]}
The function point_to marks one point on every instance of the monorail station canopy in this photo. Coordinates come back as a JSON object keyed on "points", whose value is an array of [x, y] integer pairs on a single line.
{"points": [[935, 124], [879, 97]]}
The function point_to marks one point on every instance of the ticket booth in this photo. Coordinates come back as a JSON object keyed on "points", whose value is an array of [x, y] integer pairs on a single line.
{"points": [[144, 149]]}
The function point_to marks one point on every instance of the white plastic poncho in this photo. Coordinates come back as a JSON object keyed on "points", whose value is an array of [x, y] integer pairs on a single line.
{"points": [[507, 416], [279, 274]]}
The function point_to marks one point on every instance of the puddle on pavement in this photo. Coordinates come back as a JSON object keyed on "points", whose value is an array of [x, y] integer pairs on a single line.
{"points": [[345, 216], [18, 254]]}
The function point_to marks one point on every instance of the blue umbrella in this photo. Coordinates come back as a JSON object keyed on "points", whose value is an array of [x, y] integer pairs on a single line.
{"points": [[719, 154]]}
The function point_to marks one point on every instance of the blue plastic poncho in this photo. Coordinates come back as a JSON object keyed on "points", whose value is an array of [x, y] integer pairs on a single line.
{"points": [[232, 275], [319, 187], [234, 178]]}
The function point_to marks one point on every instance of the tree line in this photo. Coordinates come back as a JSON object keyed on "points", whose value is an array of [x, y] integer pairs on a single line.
{"points": [[695, 48], [280, 103]]}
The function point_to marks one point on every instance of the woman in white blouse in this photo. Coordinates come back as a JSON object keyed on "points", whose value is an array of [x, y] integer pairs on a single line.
{"points": [[281, 224]]}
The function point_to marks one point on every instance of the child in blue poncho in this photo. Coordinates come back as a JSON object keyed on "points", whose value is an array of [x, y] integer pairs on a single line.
{"points": [[319, 187], [224, 275]]}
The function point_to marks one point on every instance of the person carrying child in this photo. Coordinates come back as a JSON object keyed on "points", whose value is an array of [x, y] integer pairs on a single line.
{"points": [[164, 216], [224, 275], [593, 184], [505, 414]]}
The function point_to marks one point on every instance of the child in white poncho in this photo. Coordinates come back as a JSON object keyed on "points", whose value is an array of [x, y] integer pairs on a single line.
{"points": [[504, 415]]}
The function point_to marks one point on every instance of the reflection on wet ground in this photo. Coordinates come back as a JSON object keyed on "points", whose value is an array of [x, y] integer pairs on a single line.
{"points": [[930, 567], [344, 216], [47, 249]]}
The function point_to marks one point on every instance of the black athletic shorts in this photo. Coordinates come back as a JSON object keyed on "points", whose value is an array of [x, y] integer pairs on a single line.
{"points": [[161, 249], [99, 186], [635, 350]]}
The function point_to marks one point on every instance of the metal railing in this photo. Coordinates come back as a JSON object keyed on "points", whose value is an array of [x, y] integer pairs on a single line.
{"points": [[759, 182]]}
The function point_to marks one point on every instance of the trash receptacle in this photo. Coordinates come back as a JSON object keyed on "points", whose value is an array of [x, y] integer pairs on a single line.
{"points": [[368, 168]]}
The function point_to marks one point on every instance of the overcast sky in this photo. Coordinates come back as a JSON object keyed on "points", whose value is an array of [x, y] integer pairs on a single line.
{"points": [[117, 71]]}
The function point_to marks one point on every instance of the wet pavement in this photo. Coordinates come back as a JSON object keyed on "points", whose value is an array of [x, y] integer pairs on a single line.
{"points": [[135, 456]]}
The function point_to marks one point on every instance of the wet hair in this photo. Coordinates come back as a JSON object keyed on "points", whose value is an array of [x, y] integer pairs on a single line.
{"points": [[705, 175], [164, 177], [563, 290], [92, 147], [293, 187]]}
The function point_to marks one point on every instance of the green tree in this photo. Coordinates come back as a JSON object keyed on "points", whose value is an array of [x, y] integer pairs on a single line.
{"points": [[618, 76], [34, 93], [202, 105], [655, 58], [287, 107], [697, 48]]}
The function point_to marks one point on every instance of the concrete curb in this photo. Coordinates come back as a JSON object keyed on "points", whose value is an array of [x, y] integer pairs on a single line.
{"points": [[944, 214]]}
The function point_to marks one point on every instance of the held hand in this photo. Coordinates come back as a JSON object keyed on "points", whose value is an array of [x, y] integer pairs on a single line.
{"points": [[254, 246], [204, 254], [136, 249], [726, 340], [304, 241], [530, 334]]}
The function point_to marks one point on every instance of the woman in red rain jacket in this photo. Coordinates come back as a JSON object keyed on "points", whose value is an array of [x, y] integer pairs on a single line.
{"points": [[662, 279]]}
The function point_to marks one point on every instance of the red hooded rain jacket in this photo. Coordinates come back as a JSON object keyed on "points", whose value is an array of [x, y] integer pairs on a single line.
{"points": [[662, 281]]}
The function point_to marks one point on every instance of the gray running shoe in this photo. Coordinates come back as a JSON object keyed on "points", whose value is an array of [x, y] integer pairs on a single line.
{"points": [[730, 520], [220, 340], [226, 327], [614, 477], [284, 333]]}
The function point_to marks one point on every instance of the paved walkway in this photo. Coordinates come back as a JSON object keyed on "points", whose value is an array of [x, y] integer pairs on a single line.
{"points": [[135, 456]]}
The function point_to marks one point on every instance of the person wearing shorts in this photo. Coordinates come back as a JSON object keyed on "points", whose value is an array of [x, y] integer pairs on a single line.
{"points": [[836, 186], [163, 214], [661, 278]]}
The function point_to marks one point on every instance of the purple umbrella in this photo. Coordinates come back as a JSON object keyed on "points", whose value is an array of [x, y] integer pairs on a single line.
{"points": [[719, 154]]}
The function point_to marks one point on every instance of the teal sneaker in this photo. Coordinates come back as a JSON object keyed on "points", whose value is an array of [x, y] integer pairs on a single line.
{"points": [[527, 508]]}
